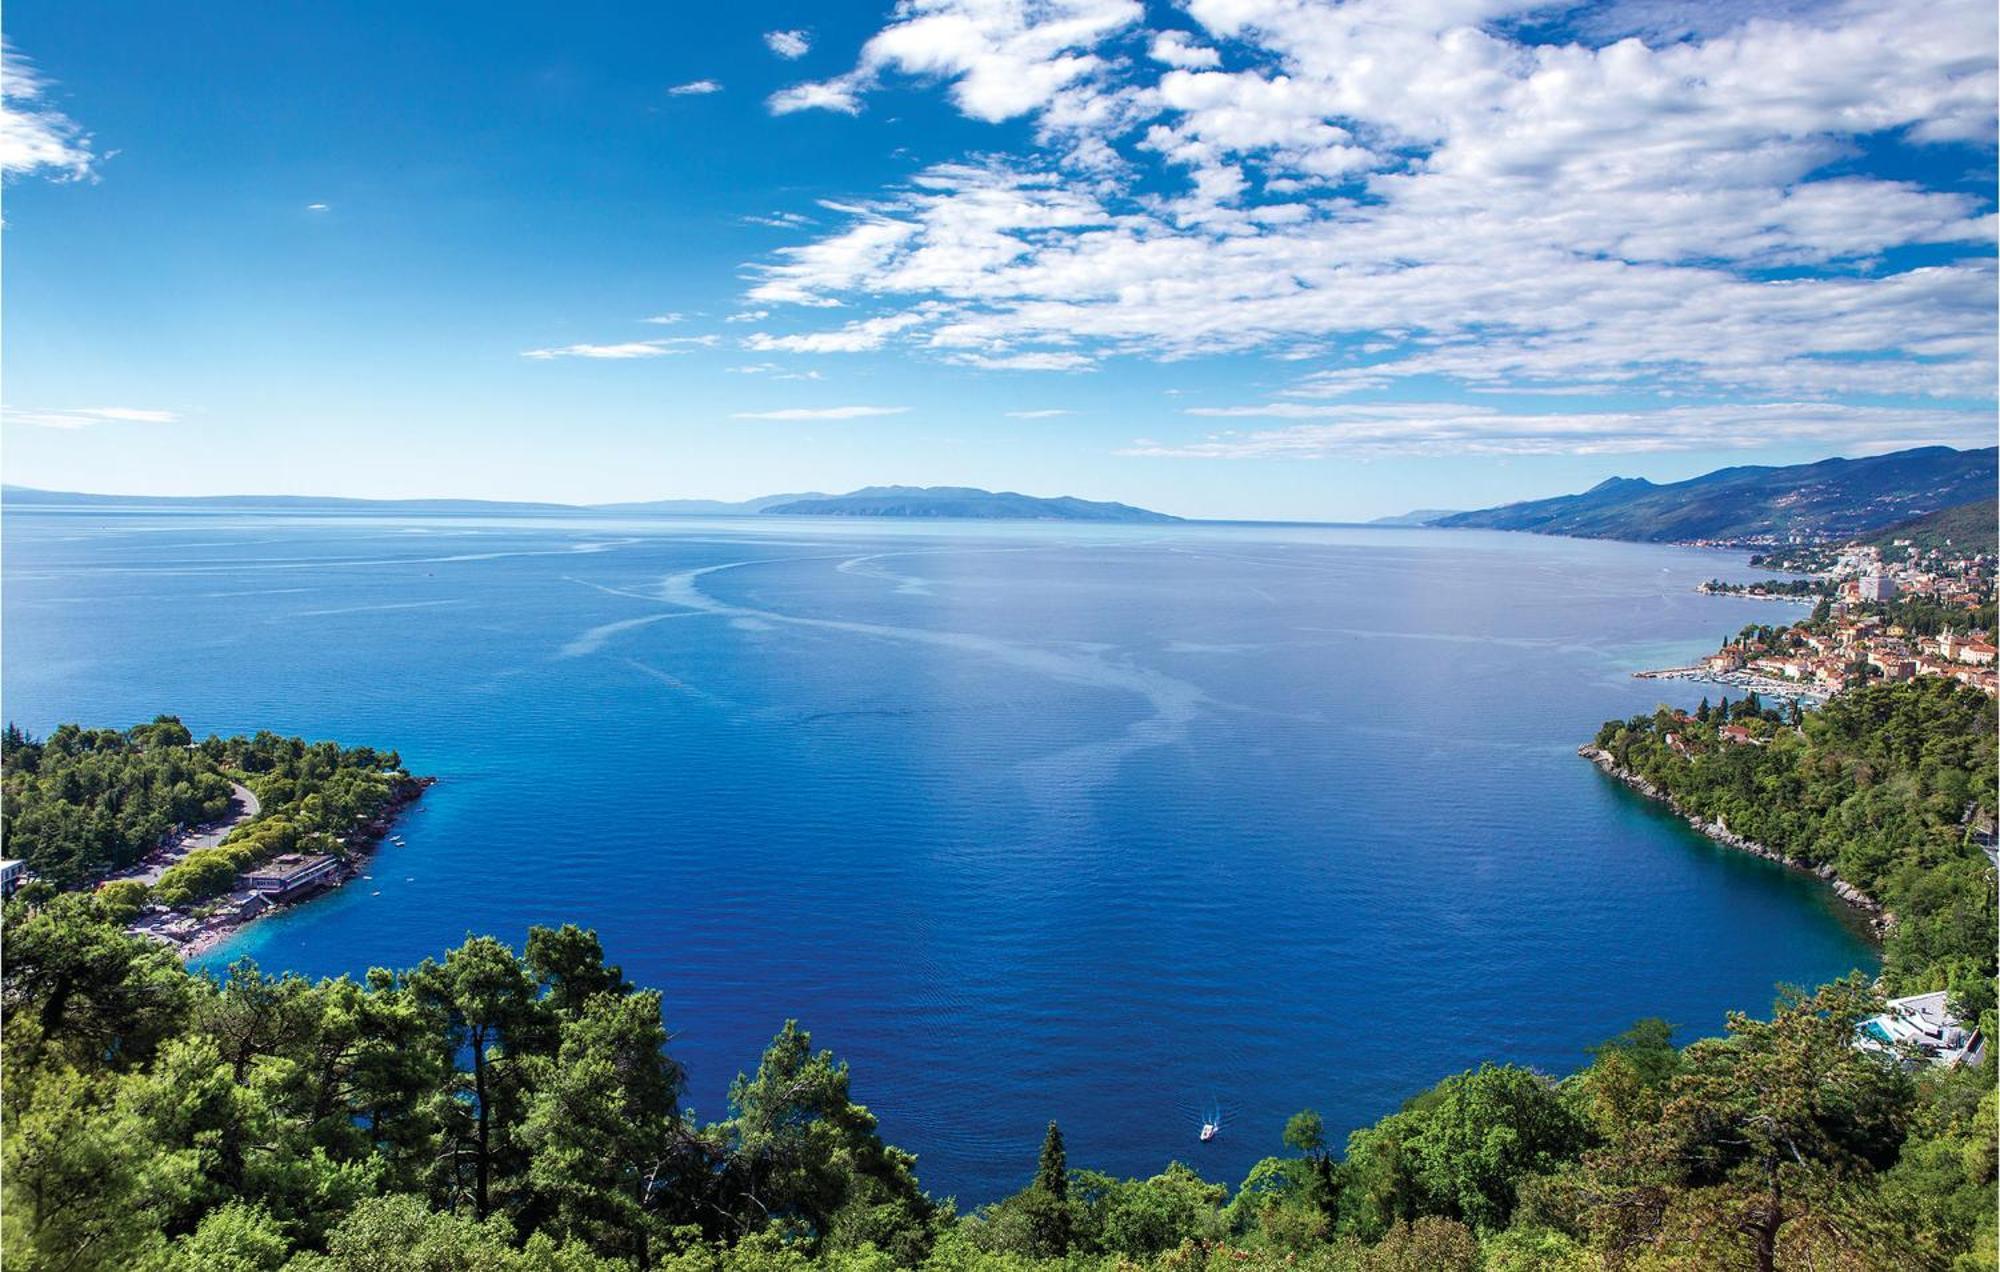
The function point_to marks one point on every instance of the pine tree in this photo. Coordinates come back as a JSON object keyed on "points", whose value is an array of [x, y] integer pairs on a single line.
{"points": [[1052, 1172], [1047, 1203]]}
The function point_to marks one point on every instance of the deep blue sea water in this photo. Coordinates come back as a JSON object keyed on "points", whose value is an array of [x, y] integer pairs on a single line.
{"points": [[1025, 821]]}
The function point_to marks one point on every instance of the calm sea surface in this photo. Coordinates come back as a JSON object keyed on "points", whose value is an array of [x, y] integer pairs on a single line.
{"points": [[1025, 821]]}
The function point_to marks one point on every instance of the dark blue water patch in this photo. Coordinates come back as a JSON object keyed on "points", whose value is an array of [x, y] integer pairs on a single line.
{"points": [[1100, 824]]}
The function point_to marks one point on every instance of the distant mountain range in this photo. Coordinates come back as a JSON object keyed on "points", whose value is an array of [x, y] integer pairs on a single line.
{"points": [[872, 501], [1831, 499]]}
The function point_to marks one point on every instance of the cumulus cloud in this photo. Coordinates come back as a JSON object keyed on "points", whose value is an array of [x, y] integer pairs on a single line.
{"points": [[86, 416], [790, 45], [35, 137], [1003, 58], [1666, 200], [1176, 49], [695, 88], [820, 413]]}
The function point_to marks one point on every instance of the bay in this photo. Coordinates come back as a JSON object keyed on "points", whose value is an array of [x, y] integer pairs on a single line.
{"points": [[1105, 824]]}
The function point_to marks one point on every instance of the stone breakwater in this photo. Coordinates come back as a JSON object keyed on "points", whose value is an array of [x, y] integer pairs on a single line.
{"points": [[1879, 919]]}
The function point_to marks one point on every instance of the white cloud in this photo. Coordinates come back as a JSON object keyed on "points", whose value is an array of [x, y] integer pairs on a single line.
{"points": [[842, 94], [695, 88], [775, 371], [780, 220], [1032, 360], [36, 137], [1175, 49], [86, 416], [664, 320], [1400, 192], [821, 413], [855, 337], [1002, 58], [789, 45], [1441, 428], [659, 348], [317, 207], [1038, 415]]}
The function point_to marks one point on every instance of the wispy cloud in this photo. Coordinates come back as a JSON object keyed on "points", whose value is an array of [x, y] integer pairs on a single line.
{"points": [[318, 207], [86, 416], [842, 95], [821, 413], [660, 348], [789, 45], [36, 137], [1448, 428], [855, 337], [780, 220], [775, 371], [664, 320], [695, 88], [1047, 414]]}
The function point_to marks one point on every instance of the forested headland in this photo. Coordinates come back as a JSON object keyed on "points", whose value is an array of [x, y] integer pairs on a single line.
{"points": [[83, 803], [520, 1109], [1891, 787]]}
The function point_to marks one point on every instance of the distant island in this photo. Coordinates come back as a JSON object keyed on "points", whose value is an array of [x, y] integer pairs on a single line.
{"points": [[1758, 506], [963, 502], [1415, 517], [957, 502]]}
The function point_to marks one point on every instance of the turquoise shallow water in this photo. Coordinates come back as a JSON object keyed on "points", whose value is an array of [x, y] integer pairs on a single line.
{"points": [[1026, 821]]}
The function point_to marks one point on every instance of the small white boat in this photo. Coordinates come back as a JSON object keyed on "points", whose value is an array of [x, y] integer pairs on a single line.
{"points": [[1209, 1130]]}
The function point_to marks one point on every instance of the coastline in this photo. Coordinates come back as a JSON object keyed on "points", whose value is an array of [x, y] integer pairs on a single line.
{"points": [[358, 848], [1764, 686], [1880, 920]]}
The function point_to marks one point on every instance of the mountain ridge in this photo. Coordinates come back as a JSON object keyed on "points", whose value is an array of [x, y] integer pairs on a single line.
{"points": [[1833, 498], [945, 502]]}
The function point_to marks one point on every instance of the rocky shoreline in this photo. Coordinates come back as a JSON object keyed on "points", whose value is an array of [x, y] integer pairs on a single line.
{"points": [[1879, 919]]}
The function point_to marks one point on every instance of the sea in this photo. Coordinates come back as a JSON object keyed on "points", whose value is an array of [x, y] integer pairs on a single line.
{"points": [[1126, 826]]}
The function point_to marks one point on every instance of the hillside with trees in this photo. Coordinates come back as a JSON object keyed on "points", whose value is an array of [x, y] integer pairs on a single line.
{"points": [[1965, 528], [1833, 499], [1888, 785]]}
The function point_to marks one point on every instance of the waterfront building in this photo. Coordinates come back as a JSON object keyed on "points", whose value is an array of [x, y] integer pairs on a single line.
{"points": [[1922, 1028], [293, 873]]}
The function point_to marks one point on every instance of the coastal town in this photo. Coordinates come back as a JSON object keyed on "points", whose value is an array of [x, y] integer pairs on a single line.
{"points": [[1891, 613]]}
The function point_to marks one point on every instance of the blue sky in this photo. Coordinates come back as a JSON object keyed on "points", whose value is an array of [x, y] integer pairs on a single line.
{"points": [[1263, 258]]}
